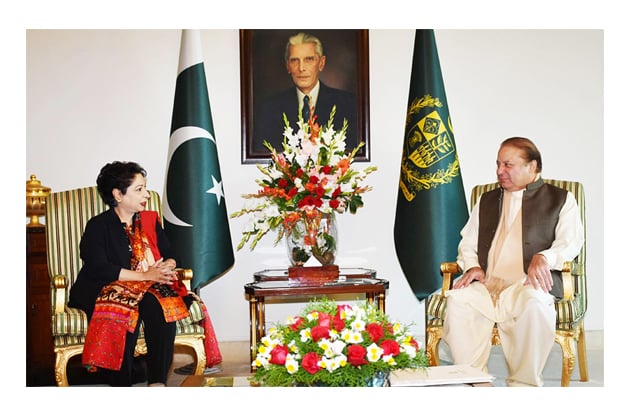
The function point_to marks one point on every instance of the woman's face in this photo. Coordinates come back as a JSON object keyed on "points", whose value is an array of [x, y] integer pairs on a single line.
{"points": [[136, 197]]}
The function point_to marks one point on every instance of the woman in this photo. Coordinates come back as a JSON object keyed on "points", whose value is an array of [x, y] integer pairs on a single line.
{"points": [[128, 278]]}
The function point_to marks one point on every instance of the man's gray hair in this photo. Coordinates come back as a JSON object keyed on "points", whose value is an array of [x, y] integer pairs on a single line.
{"points": [[300, 39]]}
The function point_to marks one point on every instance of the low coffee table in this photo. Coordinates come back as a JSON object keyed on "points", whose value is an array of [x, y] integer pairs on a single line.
{"points": [[275, 283]]}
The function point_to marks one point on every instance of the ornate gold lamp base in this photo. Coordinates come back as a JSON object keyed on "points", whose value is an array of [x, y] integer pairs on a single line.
{"points": [[35, 201]]}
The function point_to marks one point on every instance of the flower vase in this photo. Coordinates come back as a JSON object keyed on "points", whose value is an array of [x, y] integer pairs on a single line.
{"points": [[380, 379], [316, 235]]}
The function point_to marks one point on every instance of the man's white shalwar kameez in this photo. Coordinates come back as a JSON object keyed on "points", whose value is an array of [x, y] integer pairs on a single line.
{"points": [[517, 309]]}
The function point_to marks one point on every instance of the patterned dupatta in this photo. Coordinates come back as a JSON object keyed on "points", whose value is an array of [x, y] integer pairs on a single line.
{"points": [[116, 310]]}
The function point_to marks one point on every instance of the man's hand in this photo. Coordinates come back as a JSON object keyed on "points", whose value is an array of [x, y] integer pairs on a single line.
{"points": [[539, 274], [472, 274]]}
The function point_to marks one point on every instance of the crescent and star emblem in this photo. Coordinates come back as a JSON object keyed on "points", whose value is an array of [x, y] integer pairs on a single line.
{"points": [[179, 137]]}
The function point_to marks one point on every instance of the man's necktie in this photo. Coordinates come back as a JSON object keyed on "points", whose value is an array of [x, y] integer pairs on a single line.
{"points": [[306, 108]]}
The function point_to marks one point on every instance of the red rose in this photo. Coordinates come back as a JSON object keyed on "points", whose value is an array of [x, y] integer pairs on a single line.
{"points": [[341, 307], [390, 347], [324, 319], [337, 323], [282, 183], [299, 172], [320, 332], [376, 332], [336, 192], [310, 362], [334, 203], [356, 355], [297, 323], [292, 191], [278, 354], [306, 201], [314, 179], [320, 191], [326, 169]]}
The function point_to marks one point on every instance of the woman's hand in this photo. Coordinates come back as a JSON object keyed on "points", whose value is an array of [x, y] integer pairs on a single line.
{"points": [[162, 271]]}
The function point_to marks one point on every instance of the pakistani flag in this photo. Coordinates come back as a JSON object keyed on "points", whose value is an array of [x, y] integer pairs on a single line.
{"points": [[431, 205], [194, 207]]}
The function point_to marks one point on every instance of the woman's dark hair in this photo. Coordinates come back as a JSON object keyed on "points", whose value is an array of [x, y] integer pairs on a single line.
{"points": [[529, 150], [117, 175]]}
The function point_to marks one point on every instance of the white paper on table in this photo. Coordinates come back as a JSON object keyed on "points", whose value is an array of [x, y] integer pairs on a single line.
{"points": [[439, 375]]}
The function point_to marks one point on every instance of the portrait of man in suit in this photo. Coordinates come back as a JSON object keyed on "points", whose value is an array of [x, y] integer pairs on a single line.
{"points": [[306, 85]]}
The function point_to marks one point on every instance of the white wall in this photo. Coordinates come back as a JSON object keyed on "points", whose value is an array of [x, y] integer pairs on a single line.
{"points": [[94, 96]]}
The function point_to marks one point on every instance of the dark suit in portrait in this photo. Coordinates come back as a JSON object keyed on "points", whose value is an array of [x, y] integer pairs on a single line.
{"points": [[269, 122]]}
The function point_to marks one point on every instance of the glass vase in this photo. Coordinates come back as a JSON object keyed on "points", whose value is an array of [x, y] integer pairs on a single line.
{"points": [[379, 379], [315, 235]]}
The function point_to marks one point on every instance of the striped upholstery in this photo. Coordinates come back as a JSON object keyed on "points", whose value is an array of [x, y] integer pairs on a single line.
{"points": [[67, 214], [569, 312]]}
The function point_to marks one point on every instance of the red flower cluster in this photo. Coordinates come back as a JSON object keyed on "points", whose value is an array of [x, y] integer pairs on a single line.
{"points": [[356, 353], [335, 346], [313, 173]]}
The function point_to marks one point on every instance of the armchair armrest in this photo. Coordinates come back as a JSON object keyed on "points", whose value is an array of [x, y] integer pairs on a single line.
{"points": [[448, 270], [185, 275], [59, 284], [570, 269]]}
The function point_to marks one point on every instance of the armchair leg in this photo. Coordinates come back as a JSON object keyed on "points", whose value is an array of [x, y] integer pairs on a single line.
{"points": [[581, 354], [197, 344], [63, 354], [570, 341], [567, 343], [433, 339]]}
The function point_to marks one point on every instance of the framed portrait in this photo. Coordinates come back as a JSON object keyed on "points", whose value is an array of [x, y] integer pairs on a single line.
{"points": [[265, 80]]}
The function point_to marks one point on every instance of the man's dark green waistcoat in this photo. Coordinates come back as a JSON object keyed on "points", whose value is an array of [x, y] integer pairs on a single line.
{"points": [[541, 207]]}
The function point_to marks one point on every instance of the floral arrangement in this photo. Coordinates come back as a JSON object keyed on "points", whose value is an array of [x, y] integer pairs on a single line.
{"points": [[335, 345], [311, 178]]}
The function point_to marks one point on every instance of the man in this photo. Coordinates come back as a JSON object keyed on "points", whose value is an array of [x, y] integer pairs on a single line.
{"points": [[304, 60], [511, 251]]}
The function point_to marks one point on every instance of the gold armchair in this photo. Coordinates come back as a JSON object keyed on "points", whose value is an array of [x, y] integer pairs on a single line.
{"points": [[67, 214], [570, 310]]}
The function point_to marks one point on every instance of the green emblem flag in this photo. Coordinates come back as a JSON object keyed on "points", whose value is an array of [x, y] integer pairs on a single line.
{"points": [[194, 207], [431, 205]]}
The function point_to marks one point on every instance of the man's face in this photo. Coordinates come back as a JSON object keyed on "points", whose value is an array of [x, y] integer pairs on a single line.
{"points": [[513, 171], [304, 66]]}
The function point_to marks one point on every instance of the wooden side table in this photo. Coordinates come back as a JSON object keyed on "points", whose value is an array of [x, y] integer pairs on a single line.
{"points": [[276, 284], [39, 345]]}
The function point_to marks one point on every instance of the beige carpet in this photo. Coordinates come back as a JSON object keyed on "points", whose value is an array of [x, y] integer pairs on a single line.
{"points": [[236, 362]]}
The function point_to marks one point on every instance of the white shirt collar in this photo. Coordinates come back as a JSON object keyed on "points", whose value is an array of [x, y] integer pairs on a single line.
{"points": [[313, 94]]}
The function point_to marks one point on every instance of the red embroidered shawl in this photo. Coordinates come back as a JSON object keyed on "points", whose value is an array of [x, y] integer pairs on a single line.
{"points": [[116, 309]]}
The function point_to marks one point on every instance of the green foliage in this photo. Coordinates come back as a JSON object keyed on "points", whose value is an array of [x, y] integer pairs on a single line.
{"points": [[282, 353]]}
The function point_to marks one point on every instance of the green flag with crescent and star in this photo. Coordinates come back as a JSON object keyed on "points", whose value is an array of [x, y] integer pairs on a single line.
{"points": [[431, 204], [194, 206]]}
